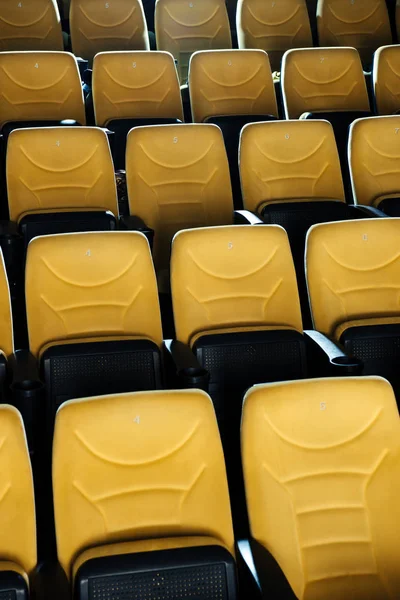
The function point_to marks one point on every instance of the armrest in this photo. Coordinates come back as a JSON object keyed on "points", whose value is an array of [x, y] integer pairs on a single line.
{"points": [[135, 223], [245, 217], [187, 372], [87, 77], [48, 578], [268, 578], [28, 395], [325, 358], [369, 211]]}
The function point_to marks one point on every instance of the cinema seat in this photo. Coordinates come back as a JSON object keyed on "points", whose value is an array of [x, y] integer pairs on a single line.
{"points": [[362, 25], [386, 80], [30, 26], [183, 28], [134, 88], [59, 180], [273, 27], [326, 83], [18, 556], [353, 271], [231, 88], [93, 315], [374, 159], [319, 456], [141, 498], [107, 26], [39, 88]]}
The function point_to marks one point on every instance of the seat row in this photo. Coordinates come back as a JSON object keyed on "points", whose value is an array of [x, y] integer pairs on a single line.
{"points": [[94, 319], [183, 28], [142, 506], [230, 88], [61, 180]]}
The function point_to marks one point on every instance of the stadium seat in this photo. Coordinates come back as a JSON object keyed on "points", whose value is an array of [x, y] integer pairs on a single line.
{"points": [[30, 26], [184, 27], [134, 88], [236, 306], [362, 25], [60, 179], [17, 516], [353, 274], [44, 87], [107, 26], [141, 498], [321, 461], [386, 80], [290, 175], [326, 83], [274, 27], [93, 315], [231, 88], [177, 178], [374, 163]]}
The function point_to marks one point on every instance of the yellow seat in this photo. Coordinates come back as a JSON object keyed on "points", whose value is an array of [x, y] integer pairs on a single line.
{"points": [[30, 26], [323, 79], [274, 27], [362, 25], [321, 461], [231, 82], [90, 286], [386, 74], [289, 161], [233, 279], [107, 26], [17, 515], [177, 178], [184, 27], [353, 272], [374, 160], [40, 86], [135, 85], [6, 322], [59, 169], [136, 473]]}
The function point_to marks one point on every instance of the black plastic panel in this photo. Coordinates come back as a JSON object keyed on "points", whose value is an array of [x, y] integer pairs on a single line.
{"points": [[236, 361], [66, 222], [378, 346], [13, 586], [99, 368], [205, 573], [390, 206]]}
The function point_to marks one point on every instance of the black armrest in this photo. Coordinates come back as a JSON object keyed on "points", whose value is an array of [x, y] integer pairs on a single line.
{"points": [[28, 395], [326, 359], [47, 579], [246, 217], [369, 211], [135, 223], [87, 77], [250, 585], [187, 372]]}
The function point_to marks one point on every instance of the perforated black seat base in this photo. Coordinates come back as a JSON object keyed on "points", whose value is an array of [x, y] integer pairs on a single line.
{"points": [[205, 573], [12, 586], [99, 368], [378, 346]]}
